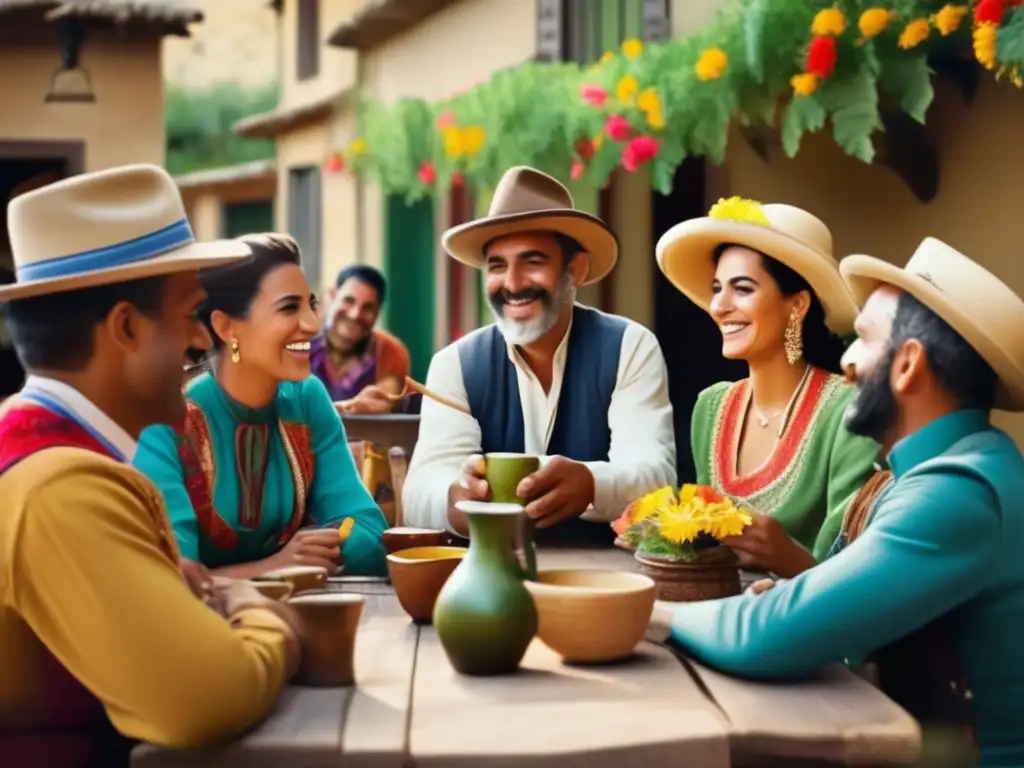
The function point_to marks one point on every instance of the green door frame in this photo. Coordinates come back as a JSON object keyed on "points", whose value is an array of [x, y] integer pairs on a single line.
{"points": [[409, 269]]}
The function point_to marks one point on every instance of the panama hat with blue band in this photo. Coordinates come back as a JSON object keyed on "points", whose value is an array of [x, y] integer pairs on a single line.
{"points": [[110, 226]]}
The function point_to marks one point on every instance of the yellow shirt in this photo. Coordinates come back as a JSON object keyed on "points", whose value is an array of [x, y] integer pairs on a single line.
{"points": [[88, 570]]}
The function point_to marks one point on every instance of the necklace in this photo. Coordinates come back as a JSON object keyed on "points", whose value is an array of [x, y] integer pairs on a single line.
{"points": [[763, 420]]}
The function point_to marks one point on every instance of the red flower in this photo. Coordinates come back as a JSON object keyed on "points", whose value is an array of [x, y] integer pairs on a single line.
{"points": [[594, 95], [445, 119], [989, 12], [709, 495], [625, 520], [1012, 3], [617, 127], [585, 148], [334, 164], [822, 56], [457, 180], [639, 151], [577, 170], [427, 173]]}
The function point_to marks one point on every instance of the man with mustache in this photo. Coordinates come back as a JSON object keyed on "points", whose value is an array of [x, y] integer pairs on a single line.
{"points": [[102, 638], [584, 390], [929, 584], [359, 364]]}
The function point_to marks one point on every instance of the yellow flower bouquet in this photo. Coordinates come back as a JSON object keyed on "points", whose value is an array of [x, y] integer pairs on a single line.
{"points": [[684, 525]]}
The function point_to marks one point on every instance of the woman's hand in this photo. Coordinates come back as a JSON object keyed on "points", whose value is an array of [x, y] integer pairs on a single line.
{"points": [[765, 545], [320, 547]]}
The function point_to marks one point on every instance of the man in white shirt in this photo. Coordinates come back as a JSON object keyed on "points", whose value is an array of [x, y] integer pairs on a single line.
{"points": [[584, 390]]}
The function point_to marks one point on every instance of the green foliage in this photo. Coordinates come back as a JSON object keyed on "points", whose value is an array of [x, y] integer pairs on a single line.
{"points": [[535, 114], [199, 125]]}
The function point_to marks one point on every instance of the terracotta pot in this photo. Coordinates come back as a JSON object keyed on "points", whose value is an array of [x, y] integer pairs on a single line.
{"points": [[418, 574], [395, 539], [680, 582]]}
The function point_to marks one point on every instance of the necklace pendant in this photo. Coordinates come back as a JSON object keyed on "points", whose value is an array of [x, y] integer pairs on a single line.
{"points": [[762, 421]]}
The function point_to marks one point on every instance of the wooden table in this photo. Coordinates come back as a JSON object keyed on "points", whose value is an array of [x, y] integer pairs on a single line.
{"points": [[410, 707]]}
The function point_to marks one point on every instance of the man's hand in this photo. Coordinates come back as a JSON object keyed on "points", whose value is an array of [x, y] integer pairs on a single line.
{"points": [[561, 488], [471, 486], [765, 545], [760, 586], [197, 578], [231, 596], [372, 399]]}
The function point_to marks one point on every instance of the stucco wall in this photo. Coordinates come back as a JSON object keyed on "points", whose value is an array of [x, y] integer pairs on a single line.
{"points": [[125, 125], [337, 65], [450, 51], [237, 42]]}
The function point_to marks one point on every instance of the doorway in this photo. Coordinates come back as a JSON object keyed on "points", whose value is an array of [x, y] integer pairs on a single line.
{"points": [[23, 165], [689, 338]]}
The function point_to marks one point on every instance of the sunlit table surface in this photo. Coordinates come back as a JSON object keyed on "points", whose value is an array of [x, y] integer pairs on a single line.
{"points": [[409, 707]]}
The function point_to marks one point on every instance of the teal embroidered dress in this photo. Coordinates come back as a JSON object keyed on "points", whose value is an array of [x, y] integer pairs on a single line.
{"points": [[811, 475], [239, 482]]}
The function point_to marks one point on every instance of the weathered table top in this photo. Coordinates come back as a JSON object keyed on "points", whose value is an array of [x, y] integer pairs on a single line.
{"points": [[409, 707]]}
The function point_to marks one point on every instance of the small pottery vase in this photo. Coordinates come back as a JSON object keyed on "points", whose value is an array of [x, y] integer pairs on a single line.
{"points": [[484, 616], [713, 575]]}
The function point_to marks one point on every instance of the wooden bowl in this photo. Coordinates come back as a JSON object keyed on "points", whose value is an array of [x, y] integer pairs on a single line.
{"points": [[395, 539], [418, 573], [275, 590], [592, 615], [301, 577]]}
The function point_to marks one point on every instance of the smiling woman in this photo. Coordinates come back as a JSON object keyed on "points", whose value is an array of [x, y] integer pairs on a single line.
{"points": [[776, 441], [259, 475]]}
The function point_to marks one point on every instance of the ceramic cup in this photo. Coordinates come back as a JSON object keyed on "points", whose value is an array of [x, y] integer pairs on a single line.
{"points": [[418, 574], [404, 537], [275, 590], [329, 621], [301, 577], [503, 473]]}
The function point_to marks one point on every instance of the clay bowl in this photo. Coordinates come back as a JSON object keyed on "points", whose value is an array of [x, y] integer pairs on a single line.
{"points": [[275, 590], [592, 615], [395, 539], [418, 573], [301, 577]]}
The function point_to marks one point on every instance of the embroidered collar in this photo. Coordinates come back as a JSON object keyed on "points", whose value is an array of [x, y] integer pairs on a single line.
{"points": [[67, 401]]}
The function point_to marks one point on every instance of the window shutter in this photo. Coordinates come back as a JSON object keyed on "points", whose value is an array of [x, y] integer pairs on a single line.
{"points": [[550, 34], [657, 24]]}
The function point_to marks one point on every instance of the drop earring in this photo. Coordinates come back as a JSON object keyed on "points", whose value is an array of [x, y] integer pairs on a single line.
{"points": [[793, 341], [235, 355]]}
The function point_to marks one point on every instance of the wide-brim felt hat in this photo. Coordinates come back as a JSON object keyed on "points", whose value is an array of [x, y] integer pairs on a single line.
{"points": [[785, 233], [110, 226], [975, 303], [527, 200]]}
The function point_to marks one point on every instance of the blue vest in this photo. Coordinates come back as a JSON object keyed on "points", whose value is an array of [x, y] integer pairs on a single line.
{"points": [[581, 429]]}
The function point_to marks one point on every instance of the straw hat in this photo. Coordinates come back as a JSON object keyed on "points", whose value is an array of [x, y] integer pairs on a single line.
{"points": [[106, 227], [976, 304], [527, 200], [787, 234]]}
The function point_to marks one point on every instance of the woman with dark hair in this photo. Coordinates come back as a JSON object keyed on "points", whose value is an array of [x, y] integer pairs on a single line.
{"points": [[260, 476], [774, 442]]}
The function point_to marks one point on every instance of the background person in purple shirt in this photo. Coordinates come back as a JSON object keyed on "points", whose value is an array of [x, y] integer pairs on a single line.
{"points": [[359, 364]]}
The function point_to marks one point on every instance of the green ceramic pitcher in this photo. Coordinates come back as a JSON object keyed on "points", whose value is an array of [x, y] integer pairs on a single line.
{"points": [[484, 615]]}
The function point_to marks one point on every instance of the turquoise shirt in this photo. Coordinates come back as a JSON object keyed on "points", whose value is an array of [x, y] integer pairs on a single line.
{"points": [[945, 537], [254, 481]]}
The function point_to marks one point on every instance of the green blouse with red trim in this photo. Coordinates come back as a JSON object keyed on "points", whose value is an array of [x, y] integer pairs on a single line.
{"points": [[811, 475]]}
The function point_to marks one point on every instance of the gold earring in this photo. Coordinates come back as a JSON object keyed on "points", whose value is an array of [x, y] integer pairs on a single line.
{"points": [[794, 340], [235, 356]]}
